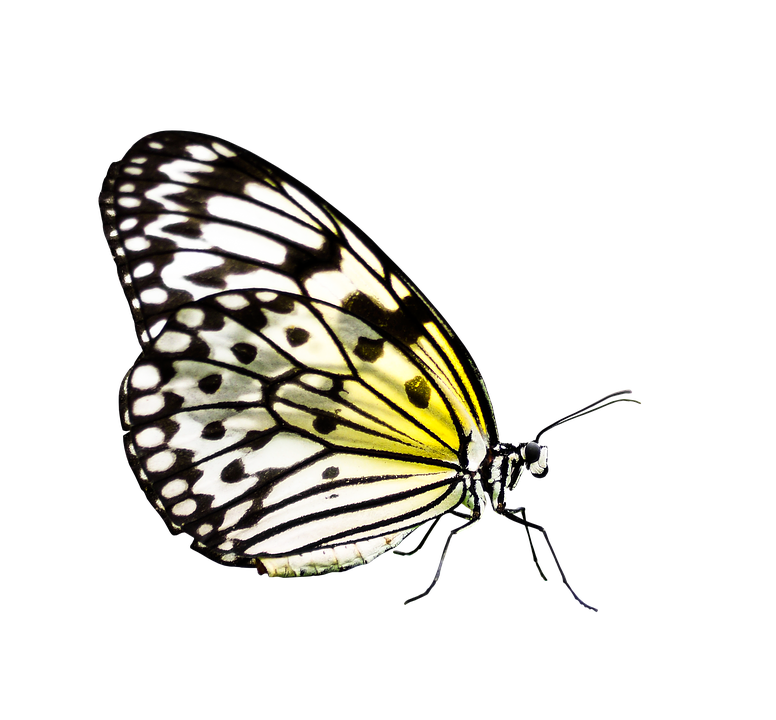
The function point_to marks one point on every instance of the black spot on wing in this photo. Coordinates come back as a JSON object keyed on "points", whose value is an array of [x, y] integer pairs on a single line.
{"points": [[325, 424], [330, 472], [418, 391], [281, 304], [362, 306], [233, 472], [297, 336], [405, 326], [244, 353], [369, 350], [213, 431], [210, 384]]}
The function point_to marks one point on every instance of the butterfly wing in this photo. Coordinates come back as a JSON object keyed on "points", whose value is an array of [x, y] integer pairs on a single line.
{"points": [[188, 215], [344, 420], [270, 425]]}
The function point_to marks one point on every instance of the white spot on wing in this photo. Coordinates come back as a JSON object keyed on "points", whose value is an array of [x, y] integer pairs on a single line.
{"points": [[150, 437], [232, 302], [172, 342], [200, 152], [143, 270], [186, 507], [145, 377], [191, 317], [155, 329], [154, 296], [174, 488], [136, 244], [148, 405], [221, 150]]}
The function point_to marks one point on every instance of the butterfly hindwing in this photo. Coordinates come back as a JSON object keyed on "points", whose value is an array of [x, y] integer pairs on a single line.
{"points": [[265, 424]]}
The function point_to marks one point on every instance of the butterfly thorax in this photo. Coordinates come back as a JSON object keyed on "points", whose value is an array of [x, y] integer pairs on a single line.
{"points": [[506, 465]]}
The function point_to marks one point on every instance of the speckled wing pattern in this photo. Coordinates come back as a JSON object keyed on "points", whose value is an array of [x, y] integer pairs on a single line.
{"points": [[298, 404]]}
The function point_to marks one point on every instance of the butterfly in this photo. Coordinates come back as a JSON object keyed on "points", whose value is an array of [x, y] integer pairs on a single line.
{"points": [[299, 406]]}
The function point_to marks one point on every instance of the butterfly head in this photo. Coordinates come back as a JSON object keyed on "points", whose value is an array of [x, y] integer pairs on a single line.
{"points": [[534, 457], [511, 461]]}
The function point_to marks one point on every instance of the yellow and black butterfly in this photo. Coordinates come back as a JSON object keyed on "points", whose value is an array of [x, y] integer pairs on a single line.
{"points": [[299, 406]]}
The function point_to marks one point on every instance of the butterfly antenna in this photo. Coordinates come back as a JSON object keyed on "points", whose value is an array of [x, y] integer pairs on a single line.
{"points": [[587, 410]]}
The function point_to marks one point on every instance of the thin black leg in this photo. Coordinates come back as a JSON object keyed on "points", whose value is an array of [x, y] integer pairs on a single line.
{"points": [[533, 526], [422, 542], [519, 510], [429, 529], [475, 516]]}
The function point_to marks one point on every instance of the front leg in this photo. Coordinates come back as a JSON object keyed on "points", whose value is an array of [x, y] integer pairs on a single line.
{"points": [[513, 516]]}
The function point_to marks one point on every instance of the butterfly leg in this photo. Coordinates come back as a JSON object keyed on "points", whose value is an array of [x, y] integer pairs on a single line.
{"points": [[522, 521], [475, 517], [443, 558], [519, 510], [409, 553]]}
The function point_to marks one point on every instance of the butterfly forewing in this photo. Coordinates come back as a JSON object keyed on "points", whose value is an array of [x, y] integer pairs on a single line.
{"points": [[188, 215]]}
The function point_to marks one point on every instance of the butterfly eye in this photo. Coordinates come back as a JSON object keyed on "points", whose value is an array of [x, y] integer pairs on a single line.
{"points": [[531, 452]]}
